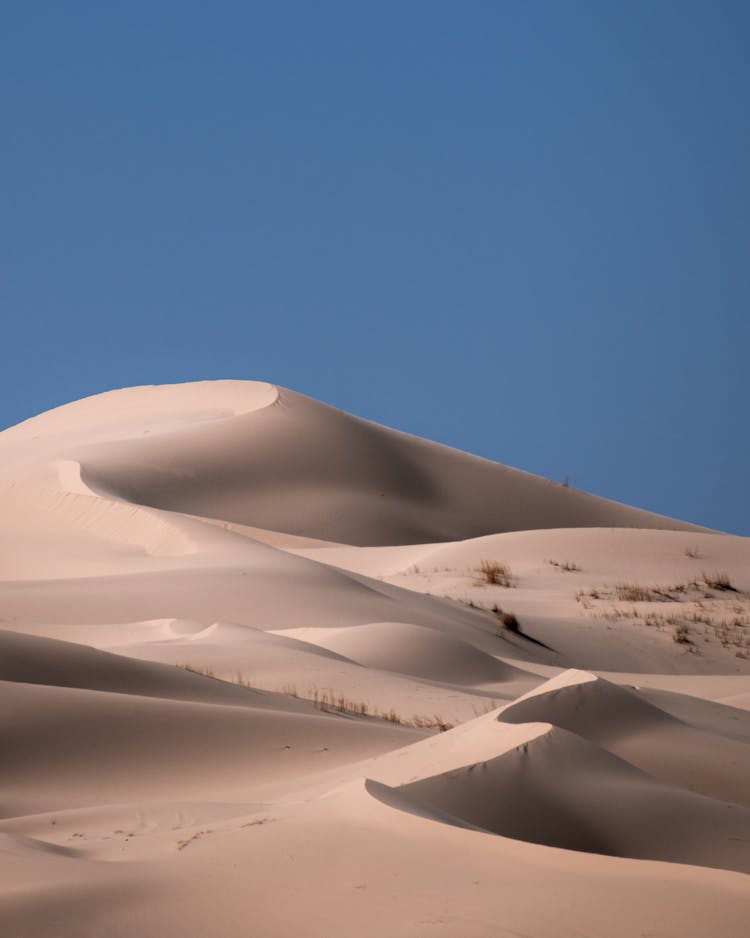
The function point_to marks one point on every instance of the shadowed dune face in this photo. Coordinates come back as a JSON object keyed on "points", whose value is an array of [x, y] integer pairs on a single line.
{"points": [[69, 748], [623, 722], [562, 791], [220, 711]]}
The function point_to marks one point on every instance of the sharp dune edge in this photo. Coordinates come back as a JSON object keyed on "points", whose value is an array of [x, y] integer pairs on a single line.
{"points": [[255, 680]]}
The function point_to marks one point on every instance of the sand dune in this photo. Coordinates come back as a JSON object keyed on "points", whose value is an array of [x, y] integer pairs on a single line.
{"points": [[559, 790], [625, 723], [248, 453], [252, 678]]}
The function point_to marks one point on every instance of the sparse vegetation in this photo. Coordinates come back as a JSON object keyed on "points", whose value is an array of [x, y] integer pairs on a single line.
{"points": [[509, 622], [718, 581], [495, 573], [566, 566], [181, 844], [258, 822], [431, 723], [635, 593], [328, 701], [195, 669], [675, 592], [582, 596], [208, 672], [488, 707], [331, 702], [696, 616], [681, 634], [693, 552]]}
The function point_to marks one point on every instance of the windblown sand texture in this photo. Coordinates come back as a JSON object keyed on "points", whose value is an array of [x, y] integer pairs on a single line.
{"points": [[255, 682]]}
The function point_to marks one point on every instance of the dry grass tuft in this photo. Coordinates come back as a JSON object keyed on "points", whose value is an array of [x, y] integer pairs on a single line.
{"points": [[195, 669], [632, 593], [718, 581], [681, 634], [238, 678], [565, 566], [635, 593], [495, 573], [509, 622], [328, 701], [431, 723], [331, 702], [487, 707]]}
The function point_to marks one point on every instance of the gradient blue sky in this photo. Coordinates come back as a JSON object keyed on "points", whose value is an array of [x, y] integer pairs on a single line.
{"points": [[520, 228]]}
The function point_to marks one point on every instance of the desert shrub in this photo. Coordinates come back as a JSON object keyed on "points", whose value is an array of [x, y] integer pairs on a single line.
{"points": [[566, 566], [718, 581], [430, 723], [508, 621], [681, 634], [494, 573]]}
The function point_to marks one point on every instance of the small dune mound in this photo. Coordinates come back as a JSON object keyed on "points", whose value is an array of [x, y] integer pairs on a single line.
{"points": [[587, 705], [418, 651], [623, 721], [563, 791]]}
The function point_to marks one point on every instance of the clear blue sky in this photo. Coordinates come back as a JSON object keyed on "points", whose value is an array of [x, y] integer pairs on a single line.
{"points": [[520, 228]]}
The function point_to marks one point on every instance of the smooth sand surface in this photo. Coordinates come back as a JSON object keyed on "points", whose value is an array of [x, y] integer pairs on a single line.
{"points": [[254, 681]]}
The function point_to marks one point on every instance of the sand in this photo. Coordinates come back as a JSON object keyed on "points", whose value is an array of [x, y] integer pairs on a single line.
{"points": [[254, 682]]}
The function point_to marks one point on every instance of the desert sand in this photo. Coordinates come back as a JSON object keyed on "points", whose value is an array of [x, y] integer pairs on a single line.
{"points": [[270, 669]]}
